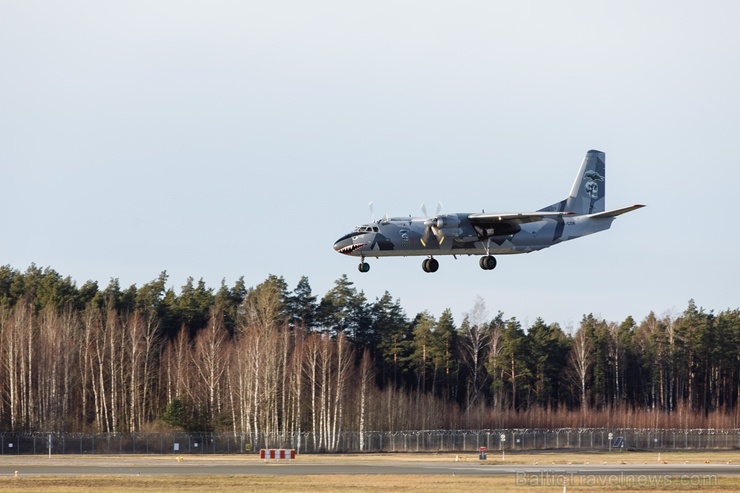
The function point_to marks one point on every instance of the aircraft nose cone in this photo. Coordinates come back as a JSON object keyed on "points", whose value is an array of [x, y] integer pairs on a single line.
{"points": [[343, 242], [347, 245]]}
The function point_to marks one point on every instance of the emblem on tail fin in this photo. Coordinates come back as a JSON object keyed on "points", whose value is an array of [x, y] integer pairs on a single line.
{"points": [[592, 187], [588, 193]]}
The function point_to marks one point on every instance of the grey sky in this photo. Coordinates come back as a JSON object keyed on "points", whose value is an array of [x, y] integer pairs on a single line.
{"points": [[220, 139]]}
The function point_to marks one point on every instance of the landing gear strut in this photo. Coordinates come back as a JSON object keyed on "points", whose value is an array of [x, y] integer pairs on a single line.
{"points": [[430, 265], [488, 262]]}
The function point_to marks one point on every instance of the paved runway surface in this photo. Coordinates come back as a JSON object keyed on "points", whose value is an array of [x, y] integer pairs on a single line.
{"points": [[305, 465]]}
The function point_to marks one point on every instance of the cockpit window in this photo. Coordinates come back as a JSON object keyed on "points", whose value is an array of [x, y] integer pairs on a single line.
{"points": [[366, 229]]}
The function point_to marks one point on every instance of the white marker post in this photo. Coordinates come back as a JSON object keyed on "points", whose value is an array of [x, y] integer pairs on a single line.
{"points": [[503, 450]]}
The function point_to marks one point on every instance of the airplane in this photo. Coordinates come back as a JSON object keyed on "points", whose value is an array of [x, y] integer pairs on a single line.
{"points": [[581, 213]]}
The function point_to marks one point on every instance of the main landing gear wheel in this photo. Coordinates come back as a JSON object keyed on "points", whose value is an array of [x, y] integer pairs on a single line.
{"points": [[363, 267], [487, 262], [430, 265]]}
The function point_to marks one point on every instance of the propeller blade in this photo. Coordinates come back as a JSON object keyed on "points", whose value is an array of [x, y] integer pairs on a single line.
{"points": [[430, 228]]}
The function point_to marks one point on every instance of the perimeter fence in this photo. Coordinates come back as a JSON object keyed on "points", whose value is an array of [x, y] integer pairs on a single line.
{"points": [[352, 442]]}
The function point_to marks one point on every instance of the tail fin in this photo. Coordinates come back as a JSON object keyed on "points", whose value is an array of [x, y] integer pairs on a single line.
{"points": [[588, 194]]}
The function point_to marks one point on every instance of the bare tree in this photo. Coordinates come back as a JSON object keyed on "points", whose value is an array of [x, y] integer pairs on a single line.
{"points": [[242, 381], [209, 361], [475, 338], [343, 369], [496, 363], [17, 334], [295, 387], [311, 368], [366, 376], [140, 333], [581, 360]]}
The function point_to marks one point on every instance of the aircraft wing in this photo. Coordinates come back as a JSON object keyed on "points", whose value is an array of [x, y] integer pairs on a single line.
{"points": [[514, 217]]}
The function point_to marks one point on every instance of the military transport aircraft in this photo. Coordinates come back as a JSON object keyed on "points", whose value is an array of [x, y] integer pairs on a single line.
{"points": [[581, 213]]}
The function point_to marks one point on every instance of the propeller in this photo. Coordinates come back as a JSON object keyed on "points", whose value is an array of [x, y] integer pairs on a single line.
{"points": [[371, 206], [432, 226]]}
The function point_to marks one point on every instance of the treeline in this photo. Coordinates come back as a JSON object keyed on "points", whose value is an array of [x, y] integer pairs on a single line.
{"points": [[273, 359]]}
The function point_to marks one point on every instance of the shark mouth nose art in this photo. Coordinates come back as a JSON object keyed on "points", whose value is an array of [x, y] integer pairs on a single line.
{"points": [[347, 250]]}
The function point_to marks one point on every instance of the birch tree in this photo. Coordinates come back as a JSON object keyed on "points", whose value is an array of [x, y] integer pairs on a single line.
{"points": [[209, 361], [474, 341], [581, 360]]}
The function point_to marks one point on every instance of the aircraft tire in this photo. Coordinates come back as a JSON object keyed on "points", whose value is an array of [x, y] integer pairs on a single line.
{"points": [[430, 265], [487, 262], [363, 267]]}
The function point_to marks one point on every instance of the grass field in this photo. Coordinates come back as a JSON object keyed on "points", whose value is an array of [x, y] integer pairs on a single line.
{"points": [[314, 484], [370, 483]]}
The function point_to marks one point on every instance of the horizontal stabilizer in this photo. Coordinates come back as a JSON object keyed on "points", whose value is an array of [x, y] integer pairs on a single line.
{"points": [[616, 212]]}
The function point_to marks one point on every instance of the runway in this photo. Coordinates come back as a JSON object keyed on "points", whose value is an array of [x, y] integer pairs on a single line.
{"points": [[352, 465]]}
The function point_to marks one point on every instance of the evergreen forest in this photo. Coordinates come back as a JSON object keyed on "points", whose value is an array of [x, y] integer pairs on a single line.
{"points": [[275, 358]]}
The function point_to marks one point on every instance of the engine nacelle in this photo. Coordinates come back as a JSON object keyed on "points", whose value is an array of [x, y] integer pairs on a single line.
{"points": [[447, 221]]}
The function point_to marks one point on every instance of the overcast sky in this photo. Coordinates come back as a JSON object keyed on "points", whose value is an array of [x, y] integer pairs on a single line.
{"points": [[222, 139]]}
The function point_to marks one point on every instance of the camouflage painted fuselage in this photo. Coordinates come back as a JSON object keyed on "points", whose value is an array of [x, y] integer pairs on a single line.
{"points": [[581, 213], [409, 237]]}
